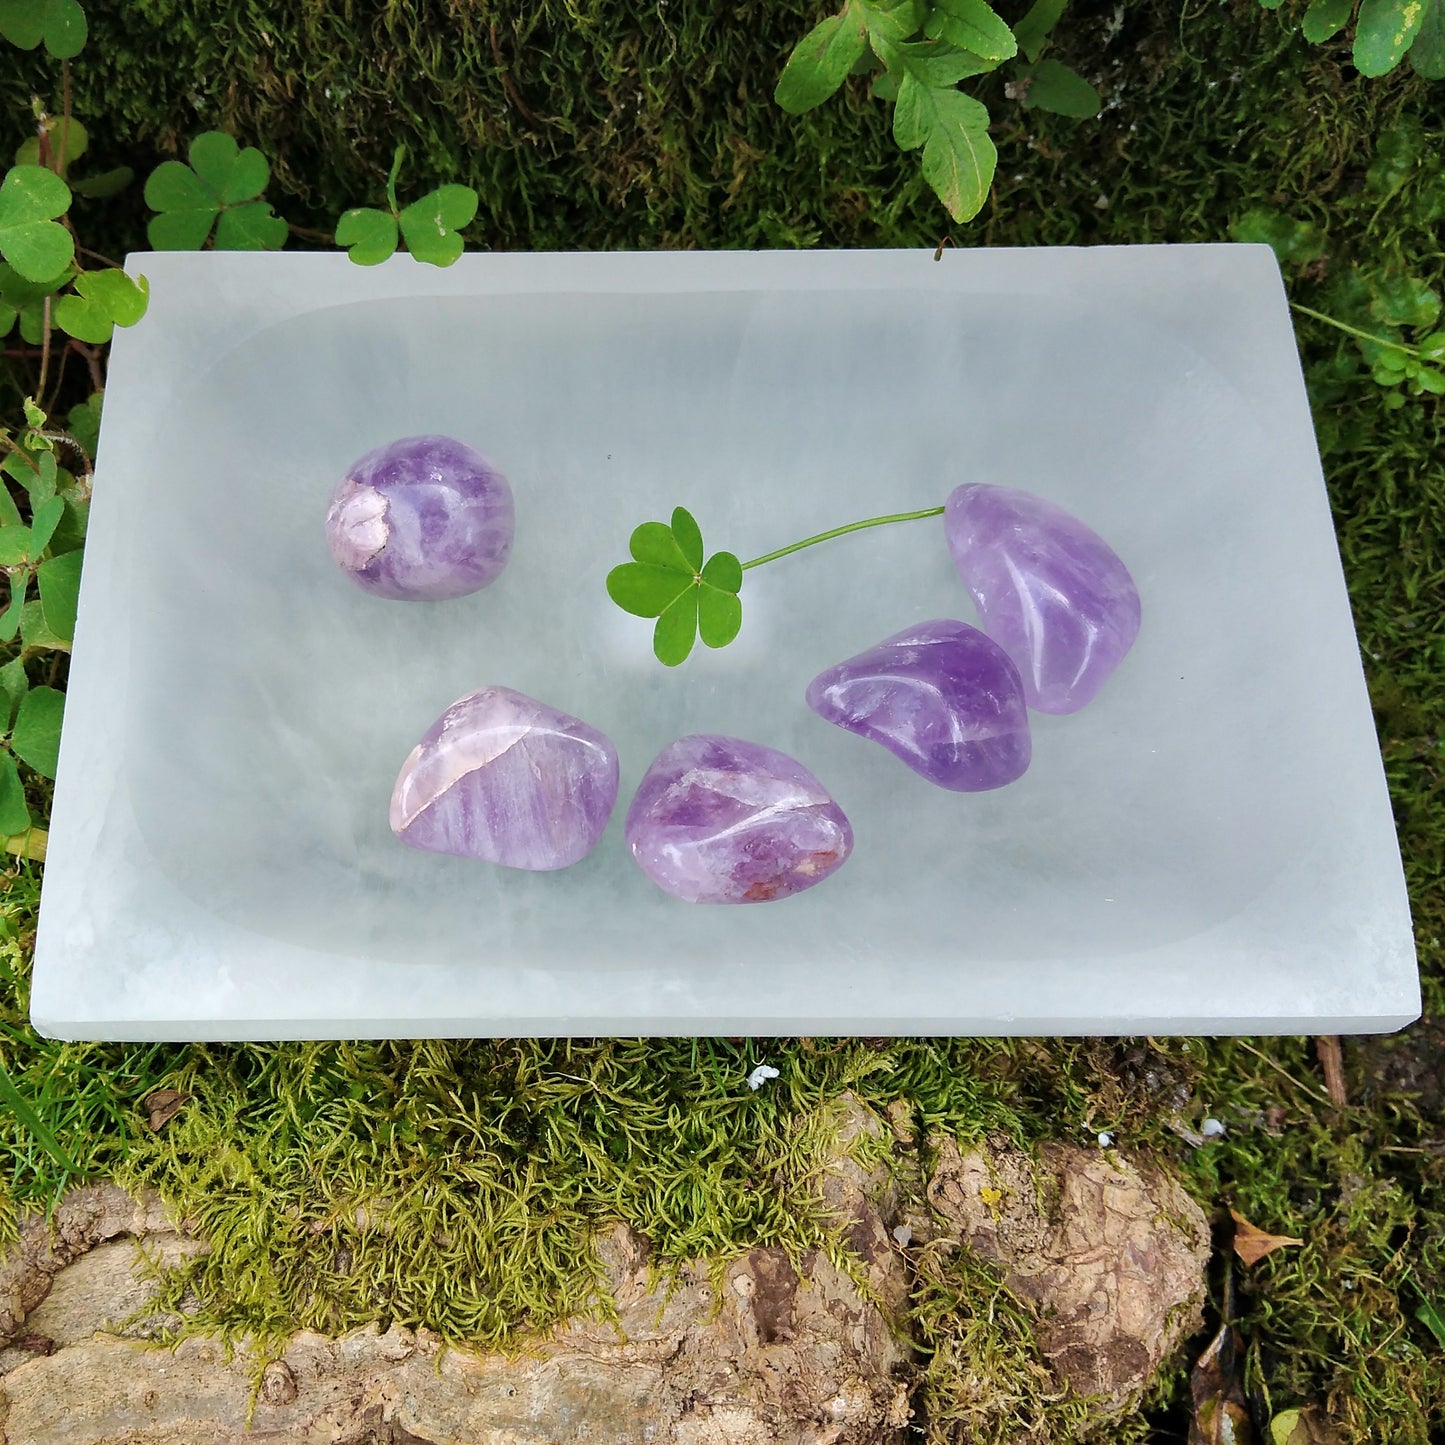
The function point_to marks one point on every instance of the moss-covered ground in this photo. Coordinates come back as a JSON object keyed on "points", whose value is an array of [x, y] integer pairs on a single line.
{"points": [[586, 125]]}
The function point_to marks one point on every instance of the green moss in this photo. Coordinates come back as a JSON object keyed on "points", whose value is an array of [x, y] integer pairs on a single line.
{"points": [[455, 1184]]}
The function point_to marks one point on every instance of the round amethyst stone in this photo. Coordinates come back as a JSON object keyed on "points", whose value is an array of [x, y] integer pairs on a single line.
{"points": [[421, 519], [721, 820]]}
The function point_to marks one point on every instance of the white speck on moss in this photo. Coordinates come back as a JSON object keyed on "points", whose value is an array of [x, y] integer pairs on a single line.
{"points": [[760, 1076]]}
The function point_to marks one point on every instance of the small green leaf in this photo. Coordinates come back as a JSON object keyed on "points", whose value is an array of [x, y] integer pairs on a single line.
{"points": [[34, 245], [1431, 380], [36, 736], [10, 618], [821, 60], [1429, 1316], [676, 629], [1293, 242], [1383, 32], [106, 183], [84, 419], [689, 537], [974, 26], [959, 159], [41, 483], [892, 19], [936, 62], [77, 141], [14, 545], [654, 544], [1400, 300], [122, 299], [1325, 17], [1427, 54], [43, 524], [33, 414], [1033, 31], [646, 591], [9, 512], [252, 227], [1054, 87], [430, 225], [370, 234], [13, 686], [719, 615], [14, 814], [59, 582], [1393, 400], [725, 571], [35, 632], [180, 230], [59, 23], [174, 186], [230, 174], [82, 319]]}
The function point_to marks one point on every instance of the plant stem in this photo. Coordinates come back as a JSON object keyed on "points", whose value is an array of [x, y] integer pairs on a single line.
{"points": [[44, 351], [839, 531], [1363, 335]]}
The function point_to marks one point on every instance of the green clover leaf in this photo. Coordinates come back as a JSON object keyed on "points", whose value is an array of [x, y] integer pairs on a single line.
{"points": [[430, 225], [371, 235], [667, 579], [222, 181], [19, 582], [36, 738], [77, 141], [59, 23], [106, 299], [59, 582], [32, 242], [14, 814]]}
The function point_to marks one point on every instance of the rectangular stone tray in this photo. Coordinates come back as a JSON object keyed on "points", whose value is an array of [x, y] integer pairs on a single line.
{"points": [[1207, 848]]}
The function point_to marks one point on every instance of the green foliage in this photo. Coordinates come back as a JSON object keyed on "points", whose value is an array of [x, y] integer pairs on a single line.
{"points": [[221, 187], [102, 301], [960, 39], [668, 579], [60, 24], [35, 738], [429, 226], [1385, 32], [30, 240]]}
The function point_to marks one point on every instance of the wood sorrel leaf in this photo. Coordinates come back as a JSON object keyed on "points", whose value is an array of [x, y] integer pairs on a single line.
{"points": [[653, 543], [1383, 32], [723, 571], [59, 582], [644, 590], [676, 628], [821, 60], [1427, 54], [36, 737], [252, 227], [719, 615], [688, 536], [36, 246], [430, 224], [14, 815], [59, 23], [1325, 17], [370, 234]]}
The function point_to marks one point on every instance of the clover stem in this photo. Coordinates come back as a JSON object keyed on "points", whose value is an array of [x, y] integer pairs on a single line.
{"points": [[839, 531], [1351, 331]]}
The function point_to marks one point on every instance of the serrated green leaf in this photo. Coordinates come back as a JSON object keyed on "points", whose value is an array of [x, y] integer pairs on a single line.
{"points": [[10, 618], [724, 571], [1326, 17], [44, 522], [35, 246], [59, 23], [13, 686], [35, 739], [719, 615], [974, 26], [106, 183], [75, 135], [82, 319], [936, 62], [654, 544], [646, 591], [430, 225], [1383, 32], [1033, 31], [370, 234], [180, 230], [252, 227], [958, 157], [14, 813], [676, 629], [1054, 87], [688, 535], [59, 582], [821, 60], [1427, 54], [1431, 380], [14, 545]]}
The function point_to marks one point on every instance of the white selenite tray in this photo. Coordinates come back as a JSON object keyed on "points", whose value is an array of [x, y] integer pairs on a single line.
{"points": [[1207, 848]]}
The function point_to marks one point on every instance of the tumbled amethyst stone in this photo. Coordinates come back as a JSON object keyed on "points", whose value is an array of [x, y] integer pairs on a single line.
{"points": [[506, 778], [421, 519], [721, 820], [941, 696], [1051, 593]]}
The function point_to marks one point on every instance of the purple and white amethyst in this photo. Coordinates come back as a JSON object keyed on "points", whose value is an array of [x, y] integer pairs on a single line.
{"points": [[941, 696], [1053, 594], [421, 519], [721, 820], [505, 778]]}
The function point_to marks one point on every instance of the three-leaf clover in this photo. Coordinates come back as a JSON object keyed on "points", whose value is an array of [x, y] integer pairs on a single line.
{"points": [[32, 242], [429, 225], [668, 579], [106, 299], [222, 181]]}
